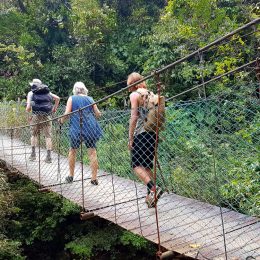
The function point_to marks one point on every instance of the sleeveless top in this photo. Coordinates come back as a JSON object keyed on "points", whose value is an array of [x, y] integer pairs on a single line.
{"points": [[90, 127]]}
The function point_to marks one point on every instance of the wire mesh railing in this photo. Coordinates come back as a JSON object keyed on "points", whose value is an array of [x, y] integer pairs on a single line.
{"points": [[208, 152]]}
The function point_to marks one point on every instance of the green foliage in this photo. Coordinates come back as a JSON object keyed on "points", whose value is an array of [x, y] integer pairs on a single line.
{"points": [[5, 201], [130, 239], [101, 42], [188, 25], [112, 149], [242, 190], [12, 114], [112, 242], [96, 241], [39, 215], [44, 225], [10, 250], [91, 23]]}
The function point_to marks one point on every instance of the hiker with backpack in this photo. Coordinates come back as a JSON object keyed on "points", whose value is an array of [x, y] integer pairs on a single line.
{"points": [[142, 135], [84, 127], [40, 103]]}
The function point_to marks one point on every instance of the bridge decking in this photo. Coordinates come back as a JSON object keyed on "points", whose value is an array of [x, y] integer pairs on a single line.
{"points": [[187, 226]]}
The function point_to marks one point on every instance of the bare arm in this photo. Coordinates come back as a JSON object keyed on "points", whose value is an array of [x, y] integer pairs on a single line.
{"points": [[133, 119], [57, 101], [96, 111], [67, 111], [28, 103]]}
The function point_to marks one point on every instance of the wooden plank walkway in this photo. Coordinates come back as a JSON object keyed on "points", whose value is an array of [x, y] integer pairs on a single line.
{"points": [[187, 226]]}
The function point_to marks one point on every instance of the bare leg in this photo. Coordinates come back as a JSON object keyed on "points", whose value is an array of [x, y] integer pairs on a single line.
{"points": [[34, 141], [92, 154], [72, 160], [149, 171], [48, 144], [143, 173]]}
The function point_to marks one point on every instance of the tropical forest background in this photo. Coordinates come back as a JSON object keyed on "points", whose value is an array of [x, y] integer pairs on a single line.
{"points": [[101, 42]]}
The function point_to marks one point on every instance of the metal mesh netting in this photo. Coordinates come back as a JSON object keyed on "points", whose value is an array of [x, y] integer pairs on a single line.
{"points": [[208, 156]]}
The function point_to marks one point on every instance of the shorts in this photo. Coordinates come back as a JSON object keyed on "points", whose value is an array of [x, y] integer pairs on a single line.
{"points": [[45, 128], [75, 141], [143, 150]]}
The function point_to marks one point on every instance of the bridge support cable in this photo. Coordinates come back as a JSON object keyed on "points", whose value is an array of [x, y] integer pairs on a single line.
{"points": [[112, 177], [59, 131], [2, 142], [158, 84], [201, 66], [218, 196], [163, 179], [212, 80], [138, 211], [12, 145], [257, 71], [39, 156], [25, 154]]}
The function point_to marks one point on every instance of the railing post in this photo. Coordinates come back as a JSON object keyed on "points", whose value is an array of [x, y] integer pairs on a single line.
{"points": [[202, 75], [39, 155], [81, 158], [257, 70], [156, 164], [59, 171], [25, 151], [158, 84], [12, 147], [2, 139], [111, 171], [218, 195]]}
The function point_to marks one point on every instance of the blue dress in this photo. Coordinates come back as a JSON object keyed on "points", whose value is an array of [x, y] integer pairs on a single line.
{"points": [[91, 131]]}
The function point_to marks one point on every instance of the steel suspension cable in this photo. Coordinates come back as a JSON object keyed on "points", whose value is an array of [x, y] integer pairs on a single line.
{"points": [[157, 78], [112, 178], [232, 39], [218, 194], [213, 79], [202, 74], [59, 152]]}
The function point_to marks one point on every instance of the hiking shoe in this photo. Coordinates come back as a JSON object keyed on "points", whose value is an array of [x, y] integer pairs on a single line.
{"points": [[147, 201], [94, 182], [69, 179], [32, 157], [151, 199], [48, 159]]}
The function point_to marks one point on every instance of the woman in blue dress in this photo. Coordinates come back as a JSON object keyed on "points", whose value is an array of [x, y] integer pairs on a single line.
{"points": [[89, 133]]}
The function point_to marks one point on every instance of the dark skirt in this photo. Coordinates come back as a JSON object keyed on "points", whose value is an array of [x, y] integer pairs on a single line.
{"points": [[143, 150]]}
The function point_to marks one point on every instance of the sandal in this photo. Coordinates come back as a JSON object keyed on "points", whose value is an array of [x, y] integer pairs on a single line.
{"points": [[94, 182]]}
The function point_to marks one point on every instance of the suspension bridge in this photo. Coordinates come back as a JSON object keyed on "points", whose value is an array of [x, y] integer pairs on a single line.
{"points": [[209, 144]]}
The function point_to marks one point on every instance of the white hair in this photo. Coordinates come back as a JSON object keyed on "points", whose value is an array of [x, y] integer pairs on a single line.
{"points": [[79, 88]]}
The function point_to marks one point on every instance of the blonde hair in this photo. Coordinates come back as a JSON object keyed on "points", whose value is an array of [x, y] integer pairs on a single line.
{"points": [[133, 77], [79, 88]]}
